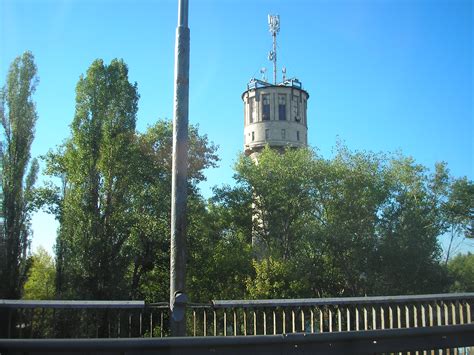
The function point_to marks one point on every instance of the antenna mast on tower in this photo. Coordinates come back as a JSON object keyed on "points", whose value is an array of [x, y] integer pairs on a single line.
{"points": [[274, 25]]}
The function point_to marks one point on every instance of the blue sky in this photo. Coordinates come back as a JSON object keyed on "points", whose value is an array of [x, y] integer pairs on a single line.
{"points": [[383, 75]]}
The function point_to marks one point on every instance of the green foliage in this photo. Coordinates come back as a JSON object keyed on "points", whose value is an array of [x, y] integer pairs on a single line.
{"points": [[294, 225], [274, 278], [410, 225], [95, 199], [40, 284], [460, 204], [114, 202], [354, 187], [18, 118], [219, 245], [148, 243], [459, 213], [359, 223], [219, 258], [461, 269], [281, 184]]}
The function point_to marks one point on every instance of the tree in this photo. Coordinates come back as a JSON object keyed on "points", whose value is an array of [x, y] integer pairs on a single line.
{"points": [[220, 252], [118, 246], [276, 278], [411, 223], [461, 269], [359, 223], [40, 284], [282, 190], [95, 165], [317, 218], [148, 244], [352, 191], [459, 213], [138, 203], [145, 249], [18, 118]]}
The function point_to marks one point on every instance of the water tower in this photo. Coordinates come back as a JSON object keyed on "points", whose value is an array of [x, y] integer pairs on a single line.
{"points": [[274, 113]]}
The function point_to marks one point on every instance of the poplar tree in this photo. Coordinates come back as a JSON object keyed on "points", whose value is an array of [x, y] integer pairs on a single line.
{"points": [[18, 117], [94, 164]]}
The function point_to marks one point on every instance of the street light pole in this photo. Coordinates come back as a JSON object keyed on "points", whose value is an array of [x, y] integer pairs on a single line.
{"points": [[178, 297]]}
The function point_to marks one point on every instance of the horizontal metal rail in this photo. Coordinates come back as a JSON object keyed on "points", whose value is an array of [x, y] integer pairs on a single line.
{"points": [[374, 341], [71, 304], [300, 302]]}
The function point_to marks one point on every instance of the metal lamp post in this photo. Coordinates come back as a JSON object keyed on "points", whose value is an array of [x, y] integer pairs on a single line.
{"points": [[178, 297]]}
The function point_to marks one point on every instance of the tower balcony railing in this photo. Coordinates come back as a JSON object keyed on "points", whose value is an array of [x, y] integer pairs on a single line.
{"points": [[127, 319]]}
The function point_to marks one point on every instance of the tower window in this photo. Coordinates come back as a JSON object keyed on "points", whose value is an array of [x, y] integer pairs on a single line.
{"points": [[282, 107], [251, 109], [267, 134], [266, 107], [305, 109], [253, 136], [283, 134], [296, 109], [297, 135]]}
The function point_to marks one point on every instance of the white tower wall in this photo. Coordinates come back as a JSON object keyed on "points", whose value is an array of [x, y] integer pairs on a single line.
{"points": [[275, 115]]}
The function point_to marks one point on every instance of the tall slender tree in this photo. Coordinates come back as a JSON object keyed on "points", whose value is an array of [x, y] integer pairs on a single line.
{"points": [[95, 167], [18, 118]]}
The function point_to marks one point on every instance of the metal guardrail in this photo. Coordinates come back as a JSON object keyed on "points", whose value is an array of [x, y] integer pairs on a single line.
{"points": [[118, 319], [368, 342], [327, 315], [58, 304], [82, 319], [299, 302]]}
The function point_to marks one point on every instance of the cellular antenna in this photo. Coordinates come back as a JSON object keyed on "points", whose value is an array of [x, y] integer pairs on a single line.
{"points": [[263, 71], [274, 25]]}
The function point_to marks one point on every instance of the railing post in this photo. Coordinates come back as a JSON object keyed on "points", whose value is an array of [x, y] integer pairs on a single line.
{"points": [[235, 321], [9, 330], [274, 323]]}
